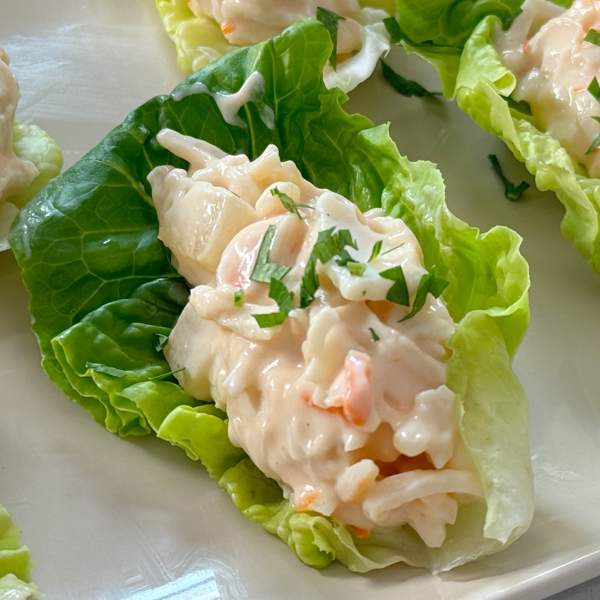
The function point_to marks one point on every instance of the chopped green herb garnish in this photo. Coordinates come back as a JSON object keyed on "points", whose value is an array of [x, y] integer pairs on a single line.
{"points": [[398, 293], [285, 301], [105, 369], [168, 374], [374, 335], [265, 321], [596, 143], [330, 20], [264, 270], [594, 88], [310, 281], [404, 86], [394, 30], [161, 342], [343, 258], [375, 250], [238, 298], [330, 243], [593, 37], [289, 203], [356, 268], [511, 191], [430, 283]]}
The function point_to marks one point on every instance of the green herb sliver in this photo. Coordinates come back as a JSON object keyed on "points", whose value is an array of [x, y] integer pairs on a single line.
{"points": [[330, 243], [593, 37], [285, 302], [264, 270], [238, 298], [374, 335], [430, 283], [512, 192], [394, 30], [330, 20], [404, 86], [289, 203], [596, 142], [594, 88], [376, 250], [356, 268], [398, 293]]}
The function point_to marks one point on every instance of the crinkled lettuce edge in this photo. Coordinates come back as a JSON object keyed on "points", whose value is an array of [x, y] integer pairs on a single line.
{"points": [[491, 406], [481, 85], [31, 143], [15, 562]]}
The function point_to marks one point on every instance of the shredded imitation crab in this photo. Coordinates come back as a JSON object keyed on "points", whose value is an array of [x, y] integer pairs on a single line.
{"points": [[333, 381]]}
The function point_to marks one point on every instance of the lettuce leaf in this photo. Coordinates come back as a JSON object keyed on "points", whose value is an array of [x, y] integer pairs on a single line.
{"points": [[103, 293], [198, 41], [482, 88], [33, 144], [449, 22], [15, 563], [476, 77]]}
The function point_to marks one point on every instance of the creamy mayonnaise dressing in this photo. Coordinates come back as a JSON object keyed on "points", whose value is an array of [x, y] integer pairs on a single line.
{"points": [[230, 104], [342, 404], [545, 48]]}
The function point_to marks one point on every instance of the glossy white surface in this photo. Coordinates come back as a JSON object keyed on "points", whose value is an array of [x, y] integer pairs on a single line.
{"points": [[108, 519]]}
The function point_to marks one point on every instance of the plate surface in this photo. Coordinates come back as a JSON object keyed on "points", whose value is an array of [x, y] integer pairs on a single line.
{"points": [[108, 519]]}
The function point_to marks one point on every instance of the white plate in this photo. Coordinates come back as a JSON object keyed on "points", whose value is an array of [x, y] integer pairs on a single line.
{"points": [[107, 519]]}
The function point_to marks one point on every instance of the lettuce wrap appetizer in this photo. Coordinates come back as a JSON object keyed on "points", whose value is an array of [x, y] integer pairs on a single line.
{"points": [[29, 158], [203, 30], [14, 563], [324, 336], [534, 84]]}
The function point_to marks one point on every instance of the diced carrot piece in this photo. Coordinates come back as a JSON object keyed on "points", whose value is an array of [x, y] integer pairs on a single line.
{"points": [[227, 27], [359, 532], [307, 500]]}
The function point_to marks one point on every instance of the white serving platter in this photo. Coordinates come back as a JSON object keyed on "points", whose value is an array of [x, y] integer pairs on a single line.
{"points": [[108, 519]]}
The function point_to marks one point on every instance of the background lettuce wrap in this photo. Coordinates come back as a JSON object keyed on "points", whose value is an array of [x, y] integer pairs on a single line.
{"points": [[457, 39], [30, 143], [29, 157], [14, 563], [103, 294], [199, 40]]}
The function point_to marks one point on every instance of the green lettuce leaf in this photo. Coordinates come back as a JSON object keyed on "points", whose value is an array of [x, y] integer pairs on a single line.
{"points": [[482, 89], [449, 22], [103, 293], [33, 144], [15, 561], [198, 40], [481, 84]]}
